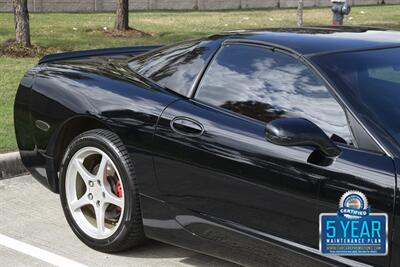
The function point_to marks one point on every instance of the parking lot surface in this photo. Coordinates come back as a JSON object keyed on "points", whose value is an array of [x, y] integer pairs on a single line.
{"points": [[32, 222]]}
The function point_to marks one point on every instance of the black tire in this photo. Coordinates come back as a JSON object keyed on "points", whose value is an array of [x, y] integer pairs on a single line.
{"points": [[130, 231]]}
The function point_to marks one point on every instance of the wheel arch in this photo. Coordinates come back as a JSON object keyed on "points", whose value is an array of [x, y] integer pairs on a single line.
{"points": [[60, 140]]}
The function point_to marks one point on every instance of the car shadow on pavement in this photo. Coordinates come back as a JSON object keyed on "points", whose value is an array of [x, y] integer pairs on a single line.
{"points": [[155, 249]]}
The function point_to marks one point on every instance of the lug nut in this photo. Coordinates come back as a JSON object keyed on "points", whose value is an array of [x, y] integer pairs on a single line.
{"points": [[99, 182], [90, 196], [91, 184], [104, 195], [98, 203]]}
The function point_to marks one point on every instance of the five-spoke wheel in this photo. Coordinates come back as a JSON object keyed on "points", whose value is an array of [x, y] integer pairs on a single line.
{"points": [[94, 192], [99, 193]]}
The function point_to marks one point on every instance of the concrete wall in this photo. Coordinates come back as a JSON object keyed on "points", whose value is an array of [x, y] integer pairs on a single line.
{"points": [[109, 5]]}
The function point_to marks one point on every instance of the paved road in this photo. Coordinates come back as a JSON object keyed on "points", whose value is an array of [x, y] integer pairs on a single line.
{"points": [[32, 215]]}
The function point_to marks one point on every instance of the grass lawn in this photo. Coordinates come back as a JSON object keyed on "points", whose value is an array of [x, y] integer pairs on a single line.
{"points": [[72, 31]]}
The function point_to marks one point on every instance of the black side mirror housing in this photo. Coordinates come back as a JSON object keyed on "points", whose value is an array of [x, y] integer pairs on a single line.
{"points": [[300, 132]]}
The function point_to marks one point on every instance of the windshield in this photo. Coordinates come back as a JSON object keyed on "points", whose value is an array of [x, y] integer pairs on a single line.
{"points": [[370, 82]]}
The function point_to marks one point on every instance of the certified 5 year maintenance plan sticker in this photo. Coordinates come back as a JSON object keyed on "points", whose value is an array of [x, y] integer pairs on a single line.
{"points": [[353, 230]]}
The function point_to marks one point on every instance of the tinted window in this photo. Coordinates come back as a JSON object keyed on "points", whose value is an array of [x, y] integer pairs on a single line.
{"points": [[369, 81], [266, 85], [175, 67]]}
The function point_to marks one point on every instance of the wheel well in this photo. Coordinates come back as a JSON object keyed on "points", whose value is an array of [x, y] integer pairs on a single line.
{"points": [[68, 132]]}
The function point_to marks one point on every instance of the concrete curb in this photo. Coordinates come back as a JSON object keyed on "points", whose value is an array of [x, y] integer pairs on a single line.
{"points": [[11, 165]]}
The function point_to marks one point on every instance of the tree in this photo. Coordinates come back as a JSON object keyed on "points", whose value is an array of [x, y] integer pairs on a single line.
{"points": [[122, 16], [300, 13], [21, 17]]}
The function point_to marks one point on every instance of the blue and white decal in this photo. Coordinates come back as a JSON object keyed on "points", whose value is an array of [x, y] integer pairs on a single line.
{"points": [[353, 230]]}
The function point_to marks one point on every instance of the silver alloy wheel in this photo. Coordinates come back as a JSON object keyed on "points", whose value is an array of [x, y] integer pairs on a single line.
{"points": [[91, 191]]}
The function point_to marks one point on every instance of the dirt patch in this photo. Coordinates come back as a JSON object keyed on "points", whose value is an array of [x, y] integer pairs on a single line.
{"points": [[12, 49], [129, 33]]}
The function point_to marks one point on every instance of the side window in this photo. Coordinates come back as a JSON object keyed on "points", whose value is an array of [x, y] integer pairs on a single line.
{"points": [[266, 85], [174, 67]]}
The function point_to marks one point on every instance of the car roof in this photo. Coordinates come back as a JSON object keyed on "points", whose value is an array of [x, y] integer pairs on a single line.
{"points": [[316, 40]]}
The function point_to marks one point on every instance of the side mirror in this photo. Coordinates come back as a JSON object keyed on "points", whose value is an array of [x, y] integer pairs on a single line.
{"points": [[300, 132]]}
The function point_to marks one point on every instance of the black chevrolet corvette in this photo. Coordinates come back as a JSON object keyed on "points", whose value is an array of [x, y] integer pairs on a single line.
{"points": [[231, 145]]}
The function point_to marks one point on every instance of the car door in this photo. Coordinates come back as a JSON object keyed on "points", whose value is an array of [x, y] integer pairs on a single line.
{"points": [[212, 158]]}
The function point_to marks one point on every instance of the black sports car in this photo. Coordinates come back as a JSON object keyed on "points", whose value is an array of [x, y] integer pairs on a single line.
{"points": [[231, 145]]}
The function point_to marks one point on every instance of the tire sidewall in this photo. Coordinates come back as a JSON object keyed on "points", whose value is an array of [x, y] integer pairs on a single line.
{"points": [[129, 188]]}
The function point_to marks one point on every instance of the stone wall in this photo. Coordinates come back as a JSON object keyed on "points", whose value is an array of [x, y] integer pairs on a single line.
{"points": [[109, 5]]}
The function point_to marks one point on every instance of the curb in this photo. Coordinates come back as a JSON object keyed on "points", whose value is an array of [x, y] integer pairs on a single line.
{"points": [[11, 165]]}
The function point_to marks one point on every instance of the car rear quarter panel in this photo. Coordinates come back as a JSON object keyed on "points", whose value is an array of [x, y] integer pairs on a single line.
{"points": [[90, 89]]}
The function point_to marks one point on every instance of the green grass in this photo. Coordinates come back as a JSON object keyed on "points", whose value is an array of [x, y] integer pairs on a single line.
{"points": [[11, 71], [66, 31]]}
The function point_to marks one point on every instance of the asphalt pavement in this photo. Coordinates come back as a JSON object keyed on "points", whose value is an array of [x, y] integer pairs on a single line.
{"points": [[33, 232]]}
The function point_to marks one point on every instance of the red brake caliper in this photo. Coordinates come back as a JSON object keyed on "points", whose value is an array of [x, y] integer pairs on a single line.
{"points": [[116, 188], [119, 189]]}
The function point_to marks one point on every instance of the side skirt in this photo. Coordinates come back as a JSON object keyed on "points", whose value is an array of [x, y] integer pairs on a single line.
{"points": [[226, 240]]}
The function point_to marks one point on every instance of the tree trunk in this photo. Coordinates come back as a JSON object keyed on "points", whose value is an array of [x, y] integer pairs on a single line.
{"points": [[21, 17], [300, 14], [122, 16]]}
